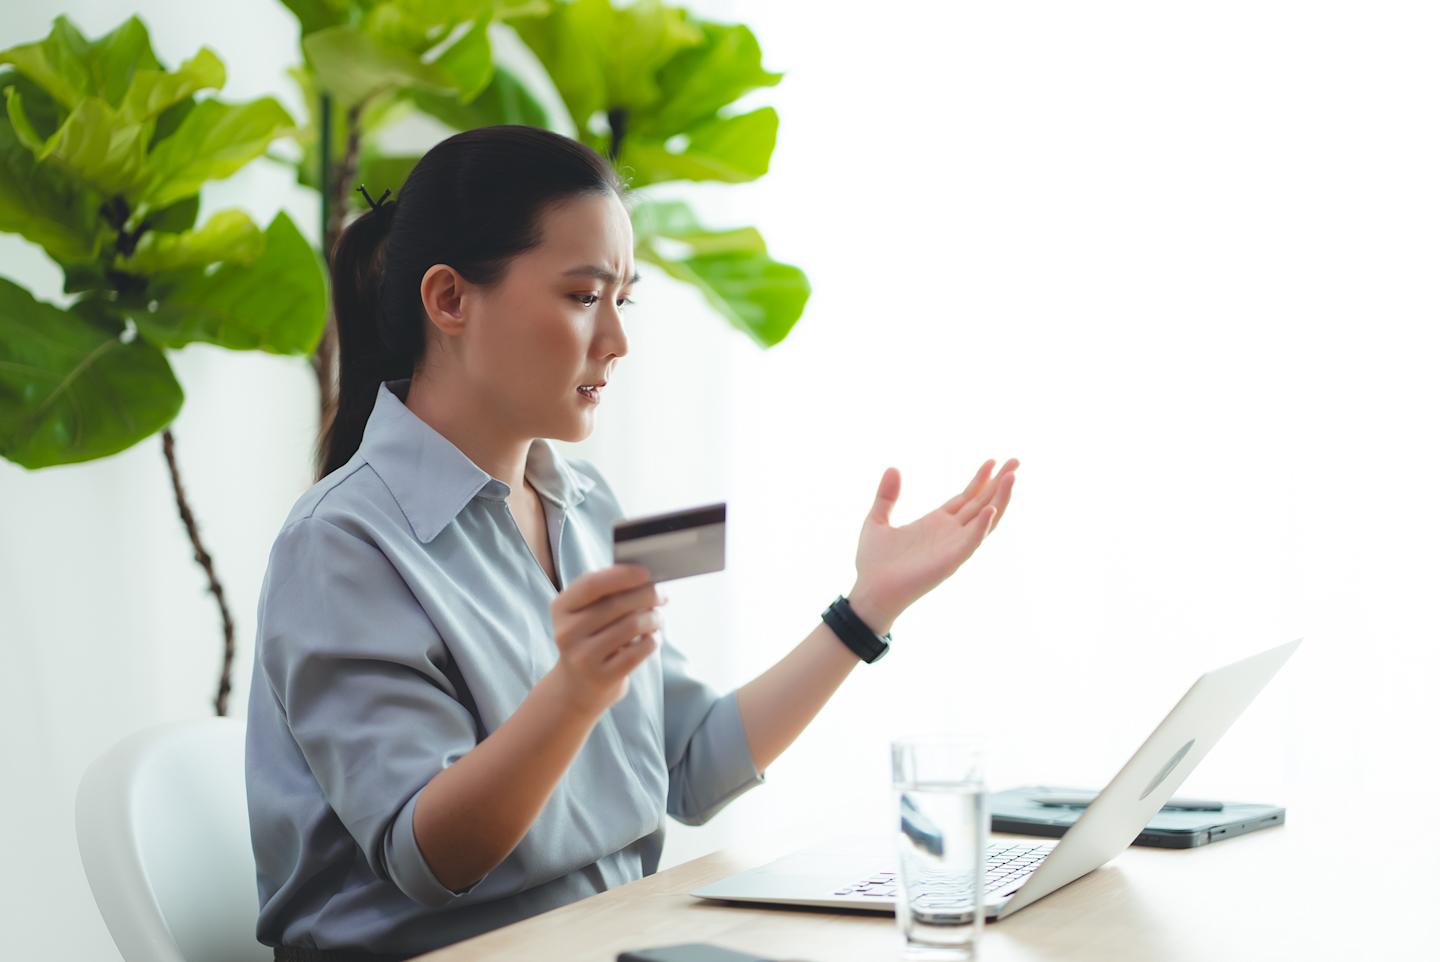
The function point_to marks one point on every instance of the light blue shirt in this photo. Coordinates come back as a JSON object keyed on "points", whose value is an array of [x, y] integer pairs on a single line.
{"points": [[402, 618]]}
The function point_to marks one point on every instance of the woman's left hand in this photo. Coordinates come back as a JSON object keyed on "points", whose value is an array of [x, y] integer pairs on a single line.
{"points": [[896, 566]]}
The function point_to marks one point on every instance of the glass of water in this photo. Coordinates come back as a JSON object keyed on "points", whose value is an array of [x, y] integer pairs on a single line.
{"points": [[943, 822]]}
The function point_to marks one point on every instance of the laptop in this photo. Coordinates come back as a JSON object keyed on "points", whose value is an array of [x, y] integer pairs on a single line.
{"points": [[1020, 872]]}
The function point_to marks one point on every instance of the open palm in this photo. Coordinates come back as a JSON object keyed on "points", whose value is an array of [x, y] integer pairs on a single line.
{"points": [[896, 566]]}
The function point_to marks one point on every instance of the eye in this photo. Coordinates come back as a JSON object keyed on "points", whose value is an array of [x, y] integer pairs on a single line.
{"points": [[589, 300]]}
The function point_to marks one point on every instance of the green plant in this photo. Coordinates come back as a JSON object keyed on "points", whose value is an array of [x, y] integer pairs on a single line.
{"points": [[103, 152], [646, 84]]}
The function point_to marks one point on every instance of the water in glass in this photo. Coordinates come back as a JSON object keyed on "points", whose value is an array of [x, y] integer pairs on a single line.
{"points": [[941, 844]]}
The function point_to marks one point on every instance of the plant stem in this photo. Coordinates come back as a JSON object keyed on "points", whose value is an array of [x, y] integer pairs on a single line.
{"points": [[327, 150], [335, 188], [619, 124], [222, 696], [117, 212]]}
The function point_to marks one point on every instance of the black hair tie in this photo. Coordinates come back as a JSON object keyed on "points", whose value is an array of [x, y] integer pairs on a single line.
{"points": [[374, 204]]}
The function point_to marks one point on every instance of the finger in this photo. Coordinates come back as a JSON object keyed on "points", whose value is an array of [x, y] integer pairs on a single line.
{"points": [[1002, 500], [613, 607], [986, 519], [968, 512], [987, 494], [599, 647], [886, 496], [957, 502], [977, 527], [617, 657], [594, 585], [624, 660]]}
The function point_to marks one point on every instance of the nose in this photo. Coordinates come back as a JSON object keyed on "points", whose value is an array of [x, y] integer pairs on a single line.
{"points": [[610, 332]]}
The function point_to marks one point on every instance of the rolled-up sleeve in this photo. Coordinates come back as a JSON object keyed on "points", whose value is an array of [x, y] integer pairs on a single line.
{"points": [[360, 672], [705, 746]]}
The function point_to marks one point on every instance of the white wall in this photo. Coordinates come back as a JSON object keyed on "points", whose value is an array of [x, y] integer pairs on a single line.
{"points": [[1179, 261]]}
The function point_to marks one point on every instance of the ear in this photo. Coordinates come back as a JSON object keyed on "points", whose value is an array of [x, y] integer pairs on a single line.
{"points": [[443, 291]]}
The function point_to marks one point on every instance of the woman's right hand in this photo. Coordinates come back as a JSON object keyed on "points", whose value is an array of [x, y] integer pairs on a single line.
{"points": [[606, 622]]}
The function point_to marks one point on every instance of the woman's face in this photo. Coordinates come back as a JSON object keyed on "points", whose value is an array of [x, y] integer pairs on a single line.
{"points": [[554, 322]]}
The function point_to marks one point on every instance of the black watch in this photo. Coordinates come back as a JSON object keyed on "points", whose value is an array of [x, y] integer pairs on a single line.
{"points": [[857, 636]]}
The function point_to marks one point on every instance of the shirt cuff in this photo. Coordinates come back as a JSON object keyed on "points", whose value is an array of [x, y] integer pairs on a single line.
{"points": [[729, 768], [408, 870]]}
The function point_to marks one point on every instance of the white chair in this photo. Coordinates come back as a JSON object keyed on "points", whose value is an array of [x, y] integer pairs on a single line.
{"points": [[164, 836]]}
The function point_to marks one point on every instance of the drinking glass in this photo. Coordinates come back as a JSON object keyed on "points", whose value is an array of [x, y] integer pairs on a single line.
{"points": [[941, 807]]}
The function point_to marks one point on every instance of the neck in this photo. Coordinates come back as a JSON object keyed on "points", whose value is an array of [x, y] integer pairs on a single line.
{"points": [[483, 440]]}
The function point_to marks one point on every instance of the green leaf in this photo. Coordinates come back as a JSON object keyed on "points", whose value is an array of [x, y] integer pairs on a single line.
{"points": [[643, 36], [307, 169], [94, 146], [508, 9], [101, 313], [59, 63], [418, 25], [43, 206], [169, 121], [757, 294], [699, 81], [468, 62], [70, 68], [179, 216], [41, 110], [154, 91], [20, 121], [674, 221], [568, 44], [352, 65], [117, 58], [212, 142], [729, 149], [85, 276], [70, 390], [229, 235], [603, 57], [319, 14], [505, 101], [372, 117], [276, 304]]}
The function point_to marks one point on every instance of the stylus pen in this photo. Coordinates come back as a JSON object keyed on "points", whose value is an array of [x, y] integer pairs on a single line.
{"points": [[1174, 805]]}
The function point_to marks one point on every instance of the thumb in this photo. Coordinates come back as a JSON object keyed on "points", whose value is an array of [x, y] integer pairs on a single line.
{"points": [[886, 497]]}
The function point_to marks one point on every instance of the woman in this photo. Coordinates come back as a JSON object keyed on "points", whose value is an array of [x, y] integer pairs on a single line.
{"points": [[462, 714]]}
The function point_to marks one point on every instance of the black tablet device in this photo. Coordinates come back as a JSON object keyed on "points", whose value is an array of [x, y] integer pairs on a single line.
{"points": [[1049, 811]]}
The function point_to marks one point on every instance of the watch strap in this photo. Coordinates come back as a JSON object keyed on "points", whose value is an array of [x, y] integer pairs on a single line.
{"points": [[851, 629]]}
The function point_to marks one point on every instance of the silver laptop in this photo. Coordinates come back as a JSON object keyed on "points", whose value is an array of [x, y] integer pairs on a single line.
{"points": [[1020, 872]]}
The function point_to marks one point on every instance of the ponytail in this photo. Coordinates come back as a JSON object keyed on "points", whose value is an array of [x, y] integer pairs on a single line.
{"points": [[473, 202], [357, 269]]}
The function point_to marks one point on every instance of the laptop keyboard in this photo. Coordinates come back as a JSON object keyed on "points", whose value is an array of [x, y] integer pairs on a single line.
{"points": [[1006, 866]]}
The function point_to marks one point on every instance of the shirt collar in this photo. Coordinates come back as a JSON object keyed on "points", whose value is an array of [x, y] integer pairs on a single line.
{"points": [[433, 480]]}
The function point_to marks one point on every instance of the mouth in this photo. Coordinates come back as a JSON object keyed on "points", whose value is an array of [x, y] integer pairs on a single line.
{"points": [[590, 392]]}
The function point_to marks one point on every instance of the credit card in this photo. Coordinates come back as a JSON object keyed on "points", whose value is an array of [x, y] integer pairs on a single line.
{"points": [[675, 544]]}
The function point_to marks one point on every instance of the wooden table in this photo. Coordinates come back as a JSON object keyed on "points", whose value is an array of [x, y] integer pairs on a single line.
{"points": [[1297, 892]]}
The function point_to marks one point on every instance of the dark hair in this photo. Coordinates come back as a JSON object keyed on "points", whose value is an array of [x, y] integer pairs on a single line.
{"points": [[474, 201]]}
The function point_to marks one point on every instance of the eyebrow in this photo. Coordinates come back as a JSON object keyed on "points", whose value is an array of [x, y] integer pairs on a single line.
{"points": [[590, 270]]}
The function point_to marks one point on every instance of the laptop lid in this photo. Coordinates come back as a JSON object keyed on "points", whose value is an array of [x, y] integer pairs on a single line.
{"points": [[1153, 774]]}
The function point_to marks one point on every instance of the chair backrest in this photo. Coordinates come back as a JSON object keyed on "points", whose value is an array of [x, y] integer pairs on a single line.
{"points": [[164, 836]]}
